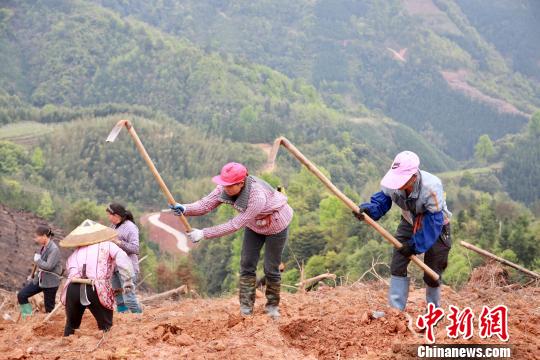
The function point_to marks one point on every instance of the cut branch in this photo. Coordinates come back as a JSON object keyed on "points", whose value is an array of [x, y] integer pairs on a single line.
{"points": [[499, 259], [166, 294], [374, 272], [308, 282]]}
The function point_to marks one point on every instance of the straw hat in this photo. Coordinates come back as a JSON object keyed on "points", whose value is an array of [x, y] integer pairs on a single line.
{"points": [[88, 233]]}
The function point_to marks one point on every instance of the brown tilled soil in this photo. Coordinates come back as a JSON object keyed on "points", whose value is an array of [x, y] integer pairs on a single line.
{"points": [[332, 323]]}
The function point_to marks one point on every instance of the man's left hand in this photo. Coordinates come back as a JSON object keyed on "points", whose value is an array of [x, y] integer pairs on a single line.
{"points": [[195, 235], [406, 250], [361, 211]]}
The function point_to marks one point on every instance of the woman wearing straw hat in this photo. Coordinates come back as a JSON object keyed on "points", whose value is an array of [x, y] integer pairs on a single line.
{"points": [[264, 213], [49, 270], [424, 226], [90, 269], [128, 240]]}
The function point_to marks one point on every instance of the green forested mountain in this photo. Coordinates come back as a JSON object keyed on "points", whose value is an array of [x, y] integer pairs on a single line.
{"points": [[518, 41], [521, 169], [86, 56], [343, 48], [206, 82], [79, 160]]}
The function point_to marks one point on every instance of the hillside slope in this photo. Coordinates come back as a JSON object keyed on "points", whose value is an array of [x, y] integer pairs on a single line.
{"points": [[77, 54], [346, 50], [325, 324], [17, 246]]}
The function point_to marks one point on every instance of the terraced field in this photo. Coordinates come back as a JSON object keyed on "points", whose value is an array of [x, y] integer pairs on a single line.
{"points": [[25, 133]]}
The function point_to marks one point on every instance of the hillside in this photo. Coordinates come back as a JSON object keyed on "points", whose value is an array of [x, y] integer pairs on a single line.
{"points": [[75, 165], [344, 48], [128, 66], [324, 324], [17, 246], [516, 41]]}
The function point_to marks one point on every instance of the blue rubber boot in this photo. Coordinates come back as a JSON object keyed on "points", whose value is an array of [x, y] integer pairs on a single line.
{"points": [[121, 308], [433, 295], [399, 292]]}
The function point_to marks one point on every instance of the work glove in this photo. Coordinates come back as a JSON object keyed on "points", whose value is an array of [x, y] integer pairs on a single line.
{"points": [[178, 209], [195, 235], [360, 215], [29, 277], [37, 257], [406, 250], [128, 287]]}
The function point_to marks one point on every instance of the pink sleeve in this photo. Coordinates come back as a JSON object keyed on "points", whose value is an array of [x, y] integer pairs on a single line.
{"points": [[71, 265], [123, 262], [205, 205], [256, 204]]}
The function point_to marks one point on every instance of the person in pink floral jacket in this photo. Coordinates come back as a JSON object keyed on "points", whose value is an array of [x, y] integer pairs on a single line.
{"points": [[90, 269]]}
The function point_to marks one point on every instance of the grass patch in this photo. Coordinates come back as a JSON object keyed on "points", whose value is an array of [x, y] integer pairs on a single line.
{"points": [[25, 132]]}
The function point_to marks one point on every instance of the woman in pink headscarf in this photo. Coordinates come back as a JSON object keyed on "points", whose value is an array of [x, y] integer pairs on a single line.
{"points": [[265, 214]]}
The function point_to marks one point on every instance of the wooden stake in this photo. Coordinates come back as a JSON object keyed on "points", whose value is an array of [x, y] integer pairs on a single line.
{"points": [[350, 204], [50, 315], [33, 273], [499, 259], [302, 279], [3, 302], [144, 278]]}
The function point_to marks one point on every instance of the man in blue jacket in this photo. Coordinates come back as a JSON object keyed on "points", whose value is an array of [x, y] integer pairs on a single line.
{"points": [[424, 226]]}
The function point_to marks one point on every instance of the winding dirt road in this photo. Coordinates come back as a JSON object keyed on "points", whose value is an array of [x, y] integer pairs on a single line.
{"points": [[181, 239]]}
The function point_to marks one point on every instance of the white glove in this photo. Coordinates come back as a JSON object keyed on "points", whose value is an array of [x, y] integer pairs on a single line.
{"points": [[128, 287], [37, 257], [195, 235], [29, 277]]}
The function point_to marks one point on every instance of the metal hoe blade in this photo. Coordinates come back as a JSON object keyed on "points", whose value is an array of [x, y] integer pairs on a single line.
{"points": [[114, 132], [83, 297]]}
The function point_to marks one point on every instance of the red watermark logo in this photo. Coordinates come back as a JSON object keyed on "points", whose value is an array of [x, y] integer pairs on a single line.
{"points": [[491, 322], [494, 322], [461, 322], [427, 322]]}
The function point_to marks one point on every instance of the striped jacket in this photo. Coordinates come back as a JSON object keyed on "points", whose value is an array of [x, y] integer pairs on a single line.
{"points": [[128, 234], [262, 209]]}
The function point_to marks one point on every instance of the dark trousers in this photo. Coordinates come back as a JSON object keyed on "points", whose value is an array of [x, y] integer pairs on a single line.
{"points": [[75, 310], [436, 257], [251, 251], [49, 294]]}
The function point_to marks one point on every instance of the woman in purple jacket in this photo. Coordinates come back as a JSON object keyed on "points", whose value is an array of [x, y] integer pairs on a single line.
{"points": [[128, 240], [265, 214]]}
